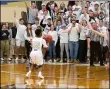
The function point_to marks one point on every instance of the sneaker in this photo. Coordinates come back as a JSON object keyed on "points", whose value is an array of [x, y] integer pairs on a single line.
{"points": [[28, 74], [61, 60], [50, 61], [17, 59], [54, 60], [40, 75], [27, 82], [2, 59], [9, 59]]}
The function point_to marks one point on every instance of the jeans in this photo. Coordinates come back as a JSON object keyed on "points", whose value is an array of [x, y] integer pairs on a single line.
{"points": [[52, 53], [73, 46], [66, 49]]}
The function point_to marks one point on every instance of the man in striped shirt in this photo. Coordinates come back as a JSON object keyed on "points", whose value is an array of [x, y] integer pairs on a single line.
{"points": [[94, 36]]}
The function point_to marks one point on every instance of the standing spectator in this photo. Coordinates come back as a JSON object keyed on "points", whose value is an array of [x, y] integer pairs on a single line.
{"points": [[73, 41], [77, 9], [96, 9], [20, 40], [52, 44], [10, 33], [62, 8], [46, 28], [47, 25], [58, 27], [83, 41], [28, 35], [34, 26], [4, 42], [13, 40], [63, 32], [103, 41], [95, 43], [43, 12], [84, 16], [56, 10], [32, 12], [50, 7]]}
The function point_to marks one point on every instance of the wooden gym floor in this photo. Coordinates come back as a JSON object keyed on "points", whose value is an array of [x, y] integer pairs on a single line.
{"points": [[57, 75]]}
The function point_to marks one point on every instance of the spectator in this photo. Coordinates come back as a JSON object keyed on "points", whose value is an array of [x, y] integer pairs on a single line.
{"points": [[84, 16], [13, 40], [34, 26], [28, 35], [96, 9], [62, 8], [56, 10], [52, 44], [83, 41], [50, 7], [47, 25], [32, 13], [73, 41], [4, 42], [77, 9], [103, 41], [63, 32], [43, 12], [20, 40], [58, 27]]}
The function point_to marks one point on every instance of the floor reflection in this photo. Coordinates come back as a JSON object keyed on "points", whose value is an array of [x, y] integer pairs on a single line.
{"points": [[56, 76]]}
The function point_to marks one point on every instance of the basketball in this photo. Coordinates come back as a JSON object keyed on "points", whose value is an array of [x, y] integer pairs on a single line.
{"points": [[48, 38]]}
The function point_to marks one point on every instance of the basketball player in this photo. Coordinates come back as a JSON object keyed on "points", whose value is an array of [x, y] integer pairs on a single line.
{"points": [[36, 53]]}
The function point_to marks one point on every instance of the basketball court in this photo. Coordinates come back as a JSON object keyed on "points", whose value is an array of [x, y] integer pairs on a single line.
{"points": [[56, 75]]}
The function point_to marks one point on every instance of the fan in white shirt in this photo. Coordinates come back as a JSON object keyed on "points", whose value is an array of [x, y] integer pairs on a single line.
{"points": [[20, 40], [63, 32], [52, 44], [77, 9], [34, 26]]}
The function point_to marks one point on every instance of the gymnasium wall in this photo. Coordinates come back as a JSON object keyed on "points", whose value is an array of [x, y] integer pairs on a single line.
{"points": [[7, 11]]}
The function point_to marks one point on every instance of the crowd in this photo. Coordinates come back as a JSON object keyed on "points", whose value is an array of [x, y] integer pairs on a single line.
{"points": [[80, 32]]}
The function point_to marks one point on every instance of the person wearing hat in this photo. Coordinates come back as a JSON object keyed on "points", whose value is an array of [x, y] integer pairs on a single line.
{"points": [[63, 32], [43, 12]]}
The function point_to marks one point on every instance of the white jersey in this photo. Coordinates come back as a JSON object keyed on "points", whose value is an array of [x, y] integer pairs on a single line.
{"points": [[37, 43], [36, 53]]}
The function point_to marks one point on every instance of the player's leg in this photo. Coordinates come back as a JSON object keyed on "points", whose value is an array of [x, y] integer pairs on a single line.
{"points": [[17, 48], [39, 69]]}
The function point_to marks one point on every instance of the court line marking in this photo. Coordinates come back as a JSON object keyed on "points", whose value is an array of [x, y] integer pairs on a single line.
{"points": [[59, 64]]}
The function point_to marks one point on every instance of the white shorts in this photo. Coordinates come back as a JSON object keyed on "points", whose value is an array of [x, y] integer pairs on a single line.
{"points": [[20, 43], [13, 42], [36, 57]]}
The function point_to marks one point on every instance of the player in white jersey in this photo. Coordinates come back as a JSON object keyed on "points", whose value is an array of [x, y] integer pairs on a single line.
{"points": [[36, 53]]}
